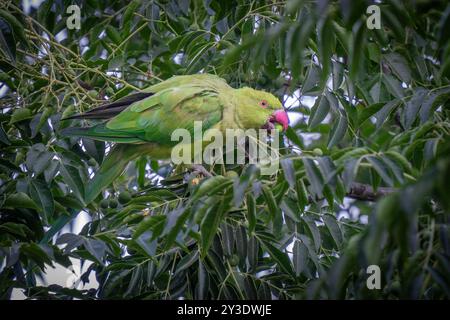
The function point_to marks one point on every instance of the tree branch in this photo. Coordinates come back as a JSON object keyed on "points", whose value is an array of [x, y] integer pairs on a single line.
{"points": [[365, 192]]}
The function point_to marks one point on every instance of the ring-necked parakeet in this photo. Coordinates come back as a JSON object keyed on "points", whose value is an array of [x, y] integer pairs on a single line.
{"points": [[142, 123]]}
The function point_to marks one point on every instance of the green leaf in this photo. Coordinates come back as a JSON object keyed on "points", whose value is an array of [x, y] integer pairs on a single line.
{"points": [[149, 223], [16, 229], [136, 278], [16, 26], [289, 172], [399, 158], [7, 41], [21, 114], [274, 210], [145, 241], [174, 224], [396, 170], [96, 149], [328, 170], [413, 106], [252, 253], [338, 131], [300, 257], [116, 63], [73, 179], [51, 171], [319, 111], [129, 12], [399, 65], [251, 212], [281, 258], [312, 229], [295, 43], [211, 186], [357, 49], [394, 86], [381, 169], [42, 195], [337, 72], [249, 173], [292, 136], [241, 243], [228, 239], [3, 136], [314, 176], [333, 226], [383, 114], [311, 250], [368, 112], [71, 240], [38, 158], [203, 281], [290, 209], [96, 248], [302, 194], [20, 200], [113, 34], [187, 261], [58, 225], [39, 121], [311, 82], [36, 253], [327, 43], [427, 105], [151, 271], [210, 224], [333, 101]]}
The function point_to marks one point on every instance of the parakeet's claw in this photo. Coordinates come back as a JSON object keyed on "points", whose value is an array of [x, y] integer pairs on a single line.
{"points": [[199, 169], [196, 173]]}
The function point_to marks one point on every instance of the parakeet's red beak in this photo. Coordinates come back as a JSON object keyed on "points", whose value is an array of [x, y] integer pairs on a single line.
{"points": [[281, 117]]}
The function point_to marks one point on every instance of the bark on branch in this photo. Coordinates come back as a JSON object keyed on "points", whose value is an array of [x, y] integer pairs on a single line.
{"points": [[365, 192]]}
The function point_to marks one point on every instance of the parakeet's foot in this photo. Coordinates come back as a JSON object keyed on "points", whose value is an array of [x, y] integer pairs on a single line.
{"points": [[196, 171], [199, 169], [196, 174]]}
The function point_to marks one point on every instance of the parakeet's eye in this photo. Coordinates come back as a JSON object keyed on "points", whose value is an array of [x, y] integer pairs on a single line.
{"points": [[263, 104]]}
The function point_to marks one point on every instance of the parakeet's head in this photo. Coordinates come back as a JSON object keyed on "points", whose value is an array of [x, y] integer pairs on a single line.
{"points": [[259, 109]]}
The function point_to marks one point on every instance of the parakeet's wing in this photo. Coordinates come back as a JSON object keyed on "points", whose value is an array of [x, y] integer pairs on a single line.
{"points": [[171, 104], [202, 80], [155, 118]]}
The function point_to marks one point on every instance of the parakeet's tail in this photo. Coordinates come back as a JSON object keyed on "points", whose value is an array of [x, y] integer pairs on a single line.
{"points": [[109, 110], [102, 133], [112, 167]]}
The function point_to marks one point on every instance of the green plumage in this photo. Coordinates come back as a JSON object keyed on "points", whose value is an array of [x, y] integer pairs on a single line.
{"points": [[147, 119]]}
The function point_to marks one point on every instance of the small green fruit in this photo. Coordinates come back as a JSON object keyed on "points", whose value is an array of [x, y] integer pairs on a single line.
{"points": [[104, 203], [113, 203], [231, 174], [20, 156], [92, 162], [93, 94], [317, 152], [124, 197], [234, 260]]}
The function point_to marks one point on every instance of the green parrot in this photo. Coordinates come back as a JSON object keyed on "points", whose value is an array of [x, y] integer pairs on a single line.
{"points": [[142, 123]]}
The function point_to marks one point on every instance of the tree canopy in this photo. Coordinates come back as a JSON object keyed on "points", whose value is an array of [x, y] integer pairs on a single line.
{"points": [[365, 171]]}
